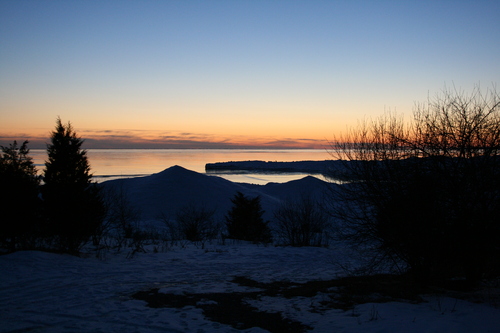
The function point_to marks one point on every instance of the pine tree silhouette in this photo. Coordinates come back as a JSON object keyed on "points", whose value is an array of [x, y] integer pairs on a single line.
{"points": [[19, 186], [244, 221], [73, 205]]}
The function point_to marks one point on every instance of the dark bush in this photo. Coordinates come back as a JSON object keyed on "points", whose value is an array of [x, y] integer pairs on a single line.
{"points": [[244, 220], [19, 187]]}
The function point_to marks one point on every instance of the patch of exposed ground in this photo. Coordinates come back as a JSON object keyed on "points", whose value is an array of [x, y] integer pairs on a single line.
{"points": [[233, 309], [225, 308], [343, 293]]}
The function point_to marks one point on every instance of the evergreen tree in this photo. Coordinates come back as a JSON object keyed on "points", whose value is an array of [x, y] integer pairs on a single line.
{"points": [[244, 221], [19, 185], [73, 204]]}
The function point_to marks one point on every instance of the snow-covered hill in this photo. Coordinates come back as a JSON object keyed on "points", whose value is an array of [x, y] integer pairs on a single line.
{"points": [[168, 191]]}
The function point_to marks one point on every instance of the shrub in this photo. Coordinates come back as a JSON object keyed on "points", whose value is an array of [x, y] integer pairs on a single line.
{"points": [[244, 220], [122, 217], [196, 223], [301, 222]]}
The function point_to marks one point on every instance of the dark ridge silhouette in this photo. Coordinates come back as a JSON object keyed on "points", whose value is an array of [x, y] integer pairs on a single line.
{"points": [[171, 189]]}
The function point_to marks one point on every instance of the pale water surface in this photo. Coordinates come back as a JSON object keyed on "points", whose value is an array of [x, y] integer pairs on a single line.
{"points": [[109, 164]]}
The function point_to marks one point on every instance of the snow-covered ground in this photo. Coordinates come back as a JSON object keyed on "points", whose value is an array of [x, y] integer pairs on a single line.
{"points": [[46, 292]]}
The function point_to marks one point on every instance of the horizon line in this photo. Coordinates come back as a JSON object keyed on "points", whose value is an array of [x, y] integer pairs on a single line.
{"points": [[221, 148]]}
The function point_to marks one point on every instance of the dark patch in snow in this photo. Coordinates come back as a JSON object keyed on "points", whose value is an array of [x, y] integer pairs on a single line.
{"points": [[225, 308], [345, 292], [232, 308]]}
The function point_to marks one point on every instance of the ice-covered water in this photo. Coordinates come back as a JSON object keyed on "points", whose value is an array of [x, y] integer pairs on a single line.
{"points": [[109, 164]]}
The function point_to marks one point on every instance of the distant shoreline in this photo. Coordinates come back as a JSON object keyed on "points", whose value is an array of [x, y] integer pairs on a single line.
{"points": [[326, 167], [139, 162], [232, 148]]}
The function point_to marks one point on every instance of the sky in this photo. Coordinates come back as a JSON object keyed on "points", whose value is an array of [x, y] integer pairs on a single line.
{"points": [[232, 74]]}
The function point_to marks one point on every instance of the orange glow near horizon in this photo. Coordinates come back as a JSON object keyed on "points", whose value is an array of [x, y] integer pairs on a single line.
{"points": [[173, 139], [229, 74], [204, 133]]}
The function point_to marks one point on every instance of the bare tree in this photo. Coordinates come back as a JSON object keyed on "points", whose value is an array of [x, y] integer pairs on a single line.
{"points": [[426, 192], [194, 223], [197, 223], [122, 216], [301, 222]]}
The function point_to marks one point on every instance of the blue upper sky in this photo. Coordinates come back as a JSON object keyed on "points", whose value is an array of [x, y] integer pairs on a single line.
{"points": [[225, 73]]}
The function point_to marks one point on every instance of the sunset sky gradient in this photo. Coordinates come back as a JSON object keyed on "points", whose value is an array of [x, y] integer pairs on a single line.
{"points": [[222, 74]]}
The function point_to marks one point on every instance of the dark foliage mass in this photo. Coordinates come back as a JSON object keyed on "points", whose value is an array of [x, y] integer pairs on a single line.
{"points": [[61, 213], [427, 193], [73, 206], [19, 184], [244, 221]]}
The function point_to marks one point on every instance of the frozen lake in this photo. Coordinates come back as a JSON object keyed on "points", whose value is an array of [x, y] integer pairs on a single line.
{"points": [[109, 164]]}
